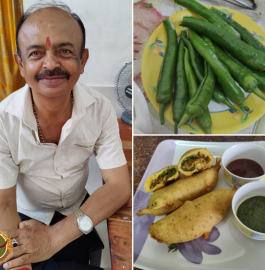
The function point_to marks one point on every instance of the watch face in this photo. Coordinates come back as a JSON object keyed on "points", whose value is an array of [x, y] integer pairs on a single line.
{"points": [[85, 224]]}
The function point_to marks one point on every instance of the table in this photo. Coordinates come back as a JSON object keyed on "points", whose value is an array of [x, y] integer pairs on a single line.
{"points": [[144, 147], [120, 223]]}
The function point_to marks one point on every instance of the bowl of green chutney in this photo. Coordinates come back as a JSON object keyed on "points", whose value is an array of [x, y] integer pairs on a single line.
{"points": [[248, 206]]}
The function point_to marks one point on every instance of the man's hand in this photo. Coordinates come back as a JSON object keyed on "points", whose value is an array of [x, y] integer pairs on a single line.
{"points": [[23, 267], [35, 244]]}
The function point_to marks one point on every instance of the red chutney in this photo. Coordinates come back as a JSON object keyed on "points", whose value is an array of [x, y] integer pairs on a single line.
{"points": [[245, 168]]}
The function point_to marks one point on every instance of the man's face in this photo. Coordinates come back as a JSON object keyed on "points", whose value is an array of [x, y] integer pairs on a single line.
{"points": [[50, 43]]}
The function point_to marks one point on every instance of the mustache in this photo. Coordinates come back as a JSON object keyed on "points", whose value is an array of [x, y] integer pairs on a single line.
{"points": [[50, 73]]}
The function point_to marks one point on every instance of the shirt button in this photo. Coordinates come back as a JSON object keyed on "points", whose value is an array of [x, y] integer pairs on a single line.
{"points": [[61, 177], [57, 168]]}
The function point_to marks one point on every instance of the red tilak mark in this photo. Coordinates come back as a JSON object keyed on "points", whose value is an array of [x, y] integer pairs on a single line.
{"points": [[48, 43], [3, 245], [24, 268]]}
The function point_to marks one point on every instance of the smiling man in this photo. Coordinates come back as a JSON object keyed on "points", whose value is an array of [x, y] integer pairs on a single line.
{"points": [[48, 131]]}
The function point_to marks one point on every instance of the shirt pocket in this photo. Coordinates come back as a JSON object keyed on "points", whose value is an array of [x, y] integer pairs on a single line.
{"points": [[76, 155], [81, 145], [84, 149]]}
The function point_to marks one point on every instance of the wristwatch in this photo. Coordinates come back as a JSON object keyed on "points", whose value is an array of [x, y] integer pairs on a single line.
{"points": [[84, 222]]}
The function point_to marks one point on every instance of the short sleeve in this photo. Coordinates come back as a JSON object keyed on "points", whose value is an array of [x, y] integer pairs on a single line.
{"points": [[8, 169], [108, 148]]}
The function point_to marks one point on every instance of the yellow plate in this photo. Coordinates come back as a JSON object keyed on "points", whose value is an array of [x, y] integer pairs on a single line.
{"points": [[224, 121]]}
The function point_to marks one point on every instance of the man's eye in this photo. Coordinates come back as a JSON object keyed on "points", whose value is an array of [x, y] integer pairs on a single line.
{"points": [[65, 51], [34, 53]]}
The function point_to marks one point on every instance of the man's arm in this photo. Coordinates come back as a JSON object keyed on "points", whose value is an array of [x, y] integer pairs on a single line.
{"points": [[40, 242], [8, 209], [100, 205]]}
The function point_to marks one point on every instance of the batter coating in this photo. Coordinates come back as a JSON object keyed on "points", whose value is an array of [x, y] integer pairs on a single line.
{"points": [[158, 180], [195, 160], [168, 199], [194, 218]]}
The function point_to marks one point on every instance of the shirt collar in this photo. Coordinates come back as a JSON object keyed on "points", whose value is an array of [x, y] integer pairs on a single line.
{"points": [[21, 105], [82, 99]]}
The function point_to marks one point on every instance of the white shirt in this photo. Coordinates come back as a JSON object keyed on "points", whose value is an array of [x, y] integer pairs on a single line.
{"points": [[52, 177]]}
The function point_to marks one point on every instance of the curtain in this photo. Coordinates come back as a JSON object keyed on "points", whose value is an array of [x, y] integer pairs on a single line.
{"points": [[10, 78]]}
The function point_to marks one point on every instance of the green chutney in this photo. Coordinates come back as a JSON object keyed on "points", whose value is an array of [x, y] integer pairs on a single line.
{"points": [[251, 213]]}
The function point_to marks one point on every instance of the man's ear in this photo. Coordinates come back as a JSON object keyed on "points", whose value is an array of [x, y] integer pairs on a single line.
{"points": [[84, 58], [19, 63]]}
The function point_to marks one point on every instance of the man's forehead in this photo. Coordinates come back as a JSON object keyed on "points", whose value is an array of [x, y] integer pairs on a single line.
{"points": [[49, 13], [49, 21]]}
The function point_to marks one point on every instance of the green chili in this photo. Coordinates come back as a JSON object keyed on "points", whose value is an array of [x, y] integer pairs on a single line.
{"points": [[165, 80], [232, 91], [195, 60], [199, 102], [250, 56], [184, 160], [208, 15], [197, 66], [168, 173], [245, 79], [192, 83], [181, 96], [245, 34], [219, 97], [258, 75], [241, 75], [204, 121]]}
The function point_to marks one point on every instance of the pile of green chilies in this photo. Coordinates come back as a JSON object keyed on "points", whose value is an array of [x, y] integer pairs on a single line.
{"points": [[207, 64]]}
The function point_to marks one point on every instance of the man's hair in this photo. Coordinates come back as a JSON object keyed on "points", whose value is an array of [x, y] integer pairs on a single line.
{"points": [[47, 4]]}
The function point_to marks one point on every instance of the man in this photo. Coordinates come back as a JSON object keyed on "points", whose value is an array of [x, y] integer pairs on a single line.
{"points": [[48, 131]]}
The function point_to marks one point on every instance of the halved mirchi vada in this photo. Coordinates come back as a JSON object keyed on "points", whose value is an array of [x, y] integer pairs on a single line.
{"points": [[194, 218], [169, 198], [158, 180], [195, 160]]}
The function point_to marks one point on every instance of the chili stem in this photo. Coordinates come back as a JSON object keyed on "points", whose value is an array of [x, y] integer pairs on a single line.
{"points": [[184, 118], [176, 128], [257, 92], [161, 113], [228, 104], [243, 107]]}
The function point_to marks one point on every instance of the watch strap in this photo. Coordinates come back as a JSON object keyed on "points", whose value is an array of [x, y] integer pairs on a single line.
{"points": [[79, 213]]}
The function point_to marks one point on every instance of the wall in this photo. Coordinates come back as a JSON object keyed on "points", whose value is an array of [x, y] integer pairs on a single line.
{"points": [[109, 40]]}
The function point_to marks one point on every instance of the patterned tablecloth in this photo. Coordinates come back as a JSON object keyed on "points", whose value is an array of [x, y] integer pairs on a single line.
{"points": [[148, 15]]}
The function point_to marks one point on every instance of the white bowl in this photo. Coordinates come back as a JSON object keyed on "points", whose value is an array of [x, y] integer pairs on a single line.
{"points": [[239, 151], [245, 192]]}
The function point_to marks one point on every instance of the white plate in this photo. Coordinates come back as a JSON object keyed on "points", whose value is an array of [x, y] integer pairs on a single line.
{"points": [[232, 249]]}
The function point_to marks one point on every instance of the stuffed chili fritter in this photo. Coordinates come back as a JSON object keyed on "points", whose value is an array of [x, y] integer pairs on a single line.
{"points": [[194, 218], [168, 199], [158, 180], [195, 160]]}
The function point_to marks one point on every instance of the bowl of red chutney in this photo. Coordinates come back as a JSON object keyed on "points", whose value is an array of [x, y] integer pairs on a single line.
{"points": [[244, 163]]}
